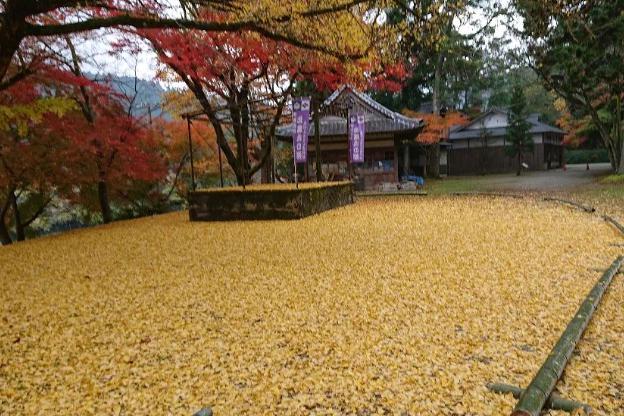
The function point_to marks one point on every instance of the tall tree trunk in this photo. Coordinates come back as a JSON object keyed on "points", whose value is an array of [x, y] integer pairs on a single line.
{"points": [[265, 170], [433, 159], [519, 171], [20, 235], [5, 236], [245, 131], [609, 142], [619, 141], [105, 208], [317, 137], [437, 80], [620, 168]]}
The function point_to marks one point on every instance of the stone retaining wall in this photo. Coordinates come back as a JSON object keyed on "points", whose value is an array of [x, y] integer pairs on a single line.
{"points": [[268, 204]]}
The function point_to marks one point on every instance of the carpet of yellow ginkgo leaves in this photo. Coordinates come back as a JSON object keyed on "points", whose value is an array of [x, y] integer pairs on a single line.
{"points": [[390, 306]]}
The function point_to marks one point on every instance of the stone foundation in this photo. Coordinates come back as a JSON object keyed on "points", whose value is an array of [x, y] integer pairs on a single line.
{"points": [[273, 202]]}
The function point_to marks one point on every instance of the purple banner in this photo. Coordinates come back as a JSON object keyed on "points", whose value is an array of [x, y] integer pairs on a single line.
{"points": [[357, 131], [301, 128]]}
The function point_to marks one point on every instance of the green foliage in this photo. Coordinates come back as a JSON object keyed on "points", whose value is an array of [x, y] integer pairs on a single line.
{"points": [[452, 58], [476, 74], [613, 180], [576, 156], [577, 50], [520, 141]]}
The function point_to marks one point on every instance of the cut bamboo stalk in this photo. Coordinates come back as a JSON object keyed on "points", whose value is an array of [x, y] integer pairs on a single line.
{"points": [[586, 208], [495, 194], [614, 222], [554, 402], [535, 395]]}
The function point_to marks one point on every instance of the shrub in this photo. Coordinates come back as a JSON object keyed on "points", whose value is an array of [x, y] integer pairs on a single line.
{"points": [[586, 156]]}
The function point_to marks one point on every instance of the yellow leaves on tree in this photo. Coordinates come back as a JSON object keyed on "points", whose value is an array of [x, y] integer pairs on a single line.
{"points": [[24, 115]]}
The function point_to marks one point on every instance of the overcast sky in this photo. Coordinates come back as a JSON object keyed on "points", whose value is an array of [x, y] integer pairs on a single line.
{"points": [[103, 60]]}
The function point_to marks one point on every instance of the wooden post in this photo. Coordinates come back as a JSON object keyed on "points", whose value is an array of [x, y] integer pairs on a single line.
{"points": [[349, 167], [396, 161], [220, 165], [188, 122], [406, 159], [536, 394], [317, 136], [272, 159], [306, 172]]}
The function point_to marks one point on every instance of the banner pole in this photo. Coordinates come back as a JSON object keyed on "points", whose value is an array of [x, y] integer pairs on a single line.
{"points": [[190, 144], [296, 179]]}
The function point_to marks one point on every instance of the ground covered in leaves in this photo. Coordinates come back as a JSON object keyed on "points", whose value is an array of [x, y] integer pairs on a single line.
{"points": [[404, 306]]}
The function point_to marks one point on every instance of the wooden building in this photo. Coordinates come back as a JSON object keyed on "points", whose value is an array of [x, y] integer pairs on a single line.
{"points": [[479, 147], [388, 138]]}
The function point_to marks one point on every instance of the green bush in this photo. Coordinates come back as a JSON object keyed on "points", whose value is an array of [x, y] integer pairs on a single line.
{"points": [[613, 180], [586, 156]]}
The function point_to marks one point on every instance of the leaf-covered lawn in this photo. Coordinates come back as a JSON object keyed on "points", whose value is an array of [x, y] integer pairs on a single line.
{"points": [[390, 306]]}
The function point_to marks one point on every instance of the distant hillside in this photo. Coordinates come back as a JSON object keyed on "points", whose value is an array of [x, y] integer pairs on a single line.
{"points": [[148, 94]]}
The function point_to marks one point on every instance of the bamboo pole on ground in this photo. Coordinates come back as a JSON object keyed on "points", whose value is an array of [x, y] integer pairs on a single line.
{"points": [[535, 395], [614, 223], [586, 208], [493, 194], [554, 402]]}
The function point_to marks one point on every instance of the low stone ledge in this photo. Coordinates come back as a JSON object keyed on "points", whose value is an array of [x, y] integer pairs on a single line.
{"points": [[268, 202]]}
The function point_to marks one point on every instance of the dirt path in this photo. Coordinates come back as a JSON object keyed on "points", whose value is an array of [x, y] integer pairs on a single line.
{"points": [[553, 180]]}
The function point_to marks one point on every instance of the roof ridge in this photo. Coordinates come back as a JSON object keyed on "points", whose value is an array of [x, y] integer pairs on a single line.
{"points": [[369, 101]]}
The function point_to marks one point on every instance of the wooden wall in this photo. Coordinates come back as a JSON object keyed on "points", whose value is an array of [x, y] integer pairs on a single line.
{"points": [[477, 161]]}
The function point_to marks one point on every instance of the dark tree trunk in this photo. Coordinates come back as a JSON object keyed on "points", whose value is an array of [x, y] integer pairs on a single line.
{"points": [[20, 235], [519, 171], [433, 155], [12, 27], [5, 237], [619, 140], [265, 170], [244, 131], [433, 161], [105, 208]]}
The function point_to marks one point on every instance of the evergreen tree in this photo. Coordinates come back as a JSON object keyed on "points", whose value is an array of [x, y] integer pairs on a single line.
{"points": [[518, 137], [576, 48]]}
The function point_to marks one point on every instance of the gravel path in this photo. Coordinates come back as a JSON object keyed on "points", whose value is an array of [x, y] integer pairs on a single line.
{"points": [[552, 180]]}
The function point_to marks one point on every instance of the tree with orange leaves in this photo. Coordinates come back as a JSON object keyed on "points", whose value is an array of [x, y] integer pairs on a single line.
{"points": [[435, 131]]}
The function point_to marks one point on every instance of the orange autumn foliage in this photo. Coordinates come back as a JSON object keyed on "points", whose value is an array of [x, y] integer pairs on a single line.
{"points": [[437, 127]]}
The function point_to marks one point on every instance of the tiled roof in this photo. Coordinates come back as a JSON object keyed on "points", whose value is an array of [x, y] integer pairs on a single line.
{"points": [[466, 132], [377, 118]]}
